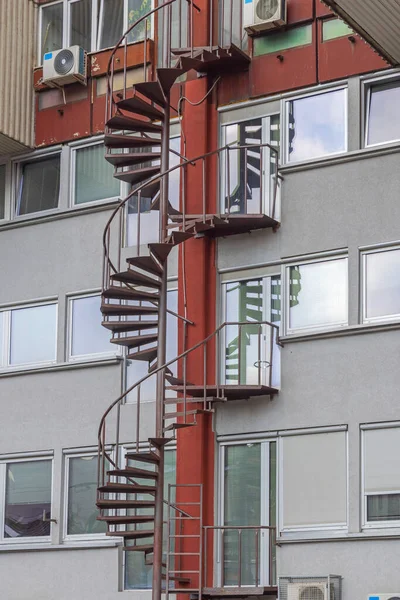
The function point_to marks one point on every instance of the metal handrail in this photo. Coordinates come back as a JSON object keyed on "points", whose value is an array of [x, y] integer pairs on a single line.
{"points": [[222, 529], [108, 264]]}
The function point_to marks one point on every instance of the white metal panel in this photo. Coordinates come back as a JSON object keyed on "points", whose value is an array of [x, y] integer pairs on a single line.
{"points": [[377, 21], [17, 51]]}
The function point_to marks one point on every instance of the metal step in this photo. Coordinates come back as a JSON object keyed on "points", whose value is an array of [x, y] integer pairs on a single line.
{"points": [[152, 91], [132, 535], [101, 503], [126, 519], [147, 263], [147, 549], [119, 292], [133, 472], [141, 107], [135, 341], [167, 77], [149, 457], [177, 237], [176, 380], [125, 310], [176, 426], [113, 140], [125, 326], [127, 488], [136, 278], [131, 158], [129, 124], [135, 176], [160, 251], [159, 442], [172, 212], [147, 355], [175, 415]]}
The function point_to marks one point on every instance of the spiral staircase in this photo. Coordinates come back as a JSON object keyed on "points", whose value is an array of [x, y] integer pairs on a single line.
{"points": [[134, 309]]}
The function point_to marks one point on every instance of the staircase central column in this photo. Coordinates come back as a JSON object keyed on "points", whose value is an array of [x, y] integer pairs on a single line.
{"points": [[161, 359]]}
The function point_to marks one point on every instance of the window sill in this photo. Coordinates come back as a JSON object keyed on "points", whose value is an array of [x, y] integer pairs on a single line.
{"points": [[74, 211], [62, 367], [344, 157], [32, 547], [344, 331], [338, 536]]}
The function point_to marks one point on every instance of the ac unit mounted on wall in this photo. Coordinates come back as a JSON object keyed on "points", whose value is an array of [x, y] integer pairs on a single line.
{"points": [[395, 596], [312, 590], [68, 65], [261, 15]]}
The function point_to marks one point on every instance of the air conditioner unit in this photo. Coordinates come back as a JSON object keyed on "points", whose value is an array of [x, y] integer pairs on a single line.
{"points": [[261, 15], [395, 596], [68, 65], [312, 590]]}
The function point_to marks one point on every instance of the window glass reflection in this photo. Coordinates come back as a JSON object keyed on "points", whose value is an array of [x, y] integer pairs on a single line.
{"points": [[33, 334], [317, 125], [382, 284], [318, 294], [82, 486], [384, 114], [88, 335]]}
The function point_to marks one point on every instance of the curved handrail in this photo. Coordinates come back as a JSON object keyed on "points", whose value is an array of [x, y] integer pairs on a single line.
{"points": [[158, 176], [177, 358]]}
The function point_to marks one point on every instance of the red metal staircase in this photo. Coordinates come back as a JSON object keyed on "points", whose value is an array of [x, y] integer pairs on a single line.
{"points": [[134, 296]]}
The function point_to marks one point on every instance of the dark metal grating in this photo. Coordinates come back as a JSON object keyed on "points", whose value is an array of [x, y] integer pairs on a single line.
{"points": [[310, 588]]}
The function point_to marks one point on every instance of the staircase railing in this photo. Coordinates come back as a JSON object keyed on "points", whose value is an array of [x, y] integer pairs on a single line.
{"points": [[200, 168], [203, 359]]}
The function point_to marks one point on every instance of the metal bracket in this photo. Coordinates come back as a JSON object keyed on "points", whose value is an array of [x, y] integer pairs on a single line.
{"points": [[46, 520]]}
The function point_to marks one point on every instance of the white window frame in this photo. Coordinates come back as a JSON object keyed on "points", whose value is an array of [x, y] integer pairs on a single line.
{"points": [[86, 357], [73, 149], [307, 530], [391, 524], [66, 25], [363, 263], [69, 537], [368, 85], [124, 24], [7, 188], [264, 500], [4, 462], [286, 294], [5, 342], [265, 274], [17, 182], [285, 123], [267, 179]]}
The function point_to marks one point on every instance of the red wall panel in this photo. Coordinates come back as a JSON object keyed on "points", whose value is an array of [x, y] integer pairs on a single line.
{"points": [[300, 10], [321, 10]]}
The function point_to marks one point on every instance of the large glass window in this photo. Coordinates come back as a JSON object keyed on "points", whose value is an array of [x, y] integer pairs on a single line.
{"points": [[314, 481], [245, 187], [87, 335], [2, 191], [39, 185], [381, 283], [52, 28], [28, 335], [249, 500], [116, 16], [27, 493], [81, 494], [251, 348], [381, 459], [94, 177], [138, 575], [80, 23], [316, 125], [231, 24], [317, 295], [383, 113]]}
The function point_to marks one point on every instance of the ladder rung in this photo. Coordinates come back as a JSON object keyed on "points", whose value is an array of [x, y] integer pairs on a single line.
{"points": [[194, 571], [184, 536], [183, 518], [184, 554]]}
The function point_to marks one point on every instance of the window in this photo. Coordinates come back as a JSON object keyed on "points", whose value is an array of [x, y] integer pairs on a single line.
{"points": [[26, 489], [381, 276], [244, 189], [314, 481], [28, 335], [317, 295], [316, 125], [116, 16], [81, 489], [334, 28], [381, 458], [2, 191], [283, 40], [250, 349], [88, 338], [138, 575], [39, 185], [67, 23], [136, 369], [248, 499], [93, 176], [231, 24], [383, 122]]}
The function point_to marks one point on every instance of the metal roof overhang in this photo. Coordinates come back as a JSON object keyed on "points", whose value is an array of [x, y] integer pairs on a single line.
{"points": [[377, 21]]}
